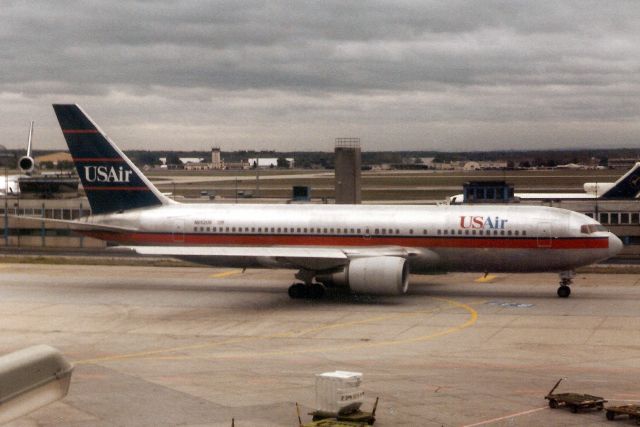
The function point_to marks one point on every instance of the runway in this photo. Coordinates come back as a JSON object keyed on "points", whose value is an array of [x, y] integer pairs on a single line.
{"points": [[198, 346]]}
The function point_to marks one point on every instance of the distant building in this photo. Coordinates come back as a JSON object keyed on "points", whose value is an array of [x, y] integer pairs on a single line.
{"points": [[237, 165], [622, 163], [54, 158], [268, 162], [471, 166], [483, 165], [216, 159]]}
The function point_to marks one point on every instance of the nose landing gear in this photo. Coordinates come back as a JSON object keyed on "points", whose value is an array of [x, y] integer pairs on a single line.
{"points": [[566, 279]]}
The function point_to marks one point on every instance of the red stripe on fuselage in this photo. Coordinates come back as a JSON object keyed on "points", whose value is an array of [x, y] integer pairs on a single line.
{"points": [[79, 131], [116, 189], [99, 159], [343, 241]]}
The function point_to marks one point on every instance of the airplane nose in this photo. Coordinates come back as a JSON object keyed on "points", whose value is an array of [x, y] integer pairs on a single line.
{"points": [[615, 245]]}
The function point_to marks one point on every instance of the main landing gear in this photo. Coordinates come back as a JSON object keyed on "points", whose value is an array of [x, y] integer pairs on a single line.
{"points": [[302, 290], [566, 279], [308, 289]]}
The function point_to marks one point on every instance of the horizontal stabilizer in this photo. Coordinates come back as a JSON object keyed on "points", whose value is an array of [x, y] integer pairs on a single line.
{"points": [[75, 224]]}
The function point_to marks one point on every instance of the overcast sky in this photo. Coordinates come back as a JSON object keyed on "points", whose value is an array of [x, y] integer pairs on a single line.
{"points": [[294, 75]]}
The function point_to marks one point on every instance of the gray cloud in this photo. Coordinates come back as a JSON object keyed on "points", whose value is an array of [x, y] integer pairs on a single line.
{"points": [[285, 75]]}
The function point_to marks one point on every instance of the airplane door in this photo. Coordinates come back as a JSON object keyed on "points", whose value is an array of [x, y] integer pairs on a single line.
{"points": [[544, 235], [177, 231]]}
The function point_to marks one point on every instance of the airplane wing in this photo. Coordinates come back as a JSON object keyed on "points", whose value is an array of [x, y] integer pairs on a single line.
{"points": [[299, 257], [312, 258]]}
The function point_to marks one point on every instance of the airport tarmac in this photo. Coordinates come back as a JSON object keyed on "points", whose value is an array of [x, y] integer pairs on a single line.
{"points": [[198, 346]]}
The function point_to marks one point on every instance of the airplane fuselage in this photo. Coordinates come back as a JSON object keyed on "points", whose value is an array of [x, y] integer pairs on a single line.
{"points": [[466, 238]]}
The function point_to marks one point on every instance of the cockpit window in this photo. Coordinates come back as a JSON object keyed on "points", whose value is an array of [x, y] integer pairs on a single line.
{"points": [[592, 228]]}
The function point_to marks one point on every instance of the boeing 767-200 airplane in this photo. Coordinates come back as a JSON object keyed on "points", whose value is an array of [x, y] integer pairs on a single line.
{"points": [[366, 248]]}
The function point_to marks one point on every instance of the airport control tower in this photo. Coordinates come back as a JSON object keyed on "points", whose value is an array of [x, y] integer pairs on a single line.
{"points": [[216, 160], [347, 171]]}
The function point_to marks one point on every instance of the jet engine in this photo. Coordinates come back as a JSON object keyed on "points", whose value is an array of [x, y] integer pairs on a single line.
{"points": [[384, 275], [26, 164]]}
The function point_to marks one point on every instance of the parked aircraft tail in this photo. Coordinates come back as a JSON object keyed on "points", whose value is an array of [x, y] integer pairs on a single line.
{"points": [[111, 181], [627, 187], [26, 163]]}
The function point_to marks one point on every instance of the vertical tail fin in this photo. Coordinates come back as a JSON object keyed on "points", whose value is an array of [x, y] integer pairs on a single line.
{"points": [[627, 187], [112, 182]]}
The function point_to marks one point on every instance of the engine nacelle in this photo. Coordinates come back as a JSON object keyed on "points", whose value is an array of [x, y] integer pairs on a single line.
{"points": [[598, 188], [26, 164], [384, 275]]}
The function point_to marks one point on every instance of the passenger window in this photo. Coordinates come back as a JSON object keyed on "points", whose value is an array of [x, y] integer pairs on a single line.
{"points": [[524, 232], [473, 232], [459, 231], [502, 232], [466, 232], [332, 230], [446, 232], [438, 232], [410, 231], [516, 232], [509, 233]]}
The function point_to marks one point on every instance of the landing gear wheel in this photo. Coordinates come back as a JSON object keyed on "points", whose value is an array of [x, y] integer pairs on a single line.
{"points": [[564, 291], [574, 409], [611, 416], [297, 291], [553, 404], [316, 291]]}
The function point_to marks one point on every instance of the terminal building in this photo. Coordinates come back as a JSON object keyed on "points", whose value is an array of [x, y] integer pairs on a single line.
{"points": [[44, 196]]}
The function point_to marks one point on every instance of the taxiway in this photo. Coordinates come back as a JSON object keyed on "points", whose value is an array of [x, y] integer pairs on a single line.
{"points": [[198, 346]]}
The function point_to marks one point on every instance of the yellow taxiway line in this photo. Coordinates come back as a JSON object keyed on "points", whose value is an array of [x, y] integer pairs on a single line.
{"points": [[164, 353], [225, 274], [485, 279]]}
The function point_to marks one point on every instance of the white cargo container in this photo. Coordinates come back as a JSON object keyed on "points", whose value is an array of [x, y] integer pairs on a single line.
{"points": [[339, 392]]}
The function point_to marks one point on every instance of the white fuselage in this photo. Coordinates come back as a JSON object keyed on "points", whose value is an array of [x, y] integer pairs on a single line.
{"points": [[463, 238]]}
